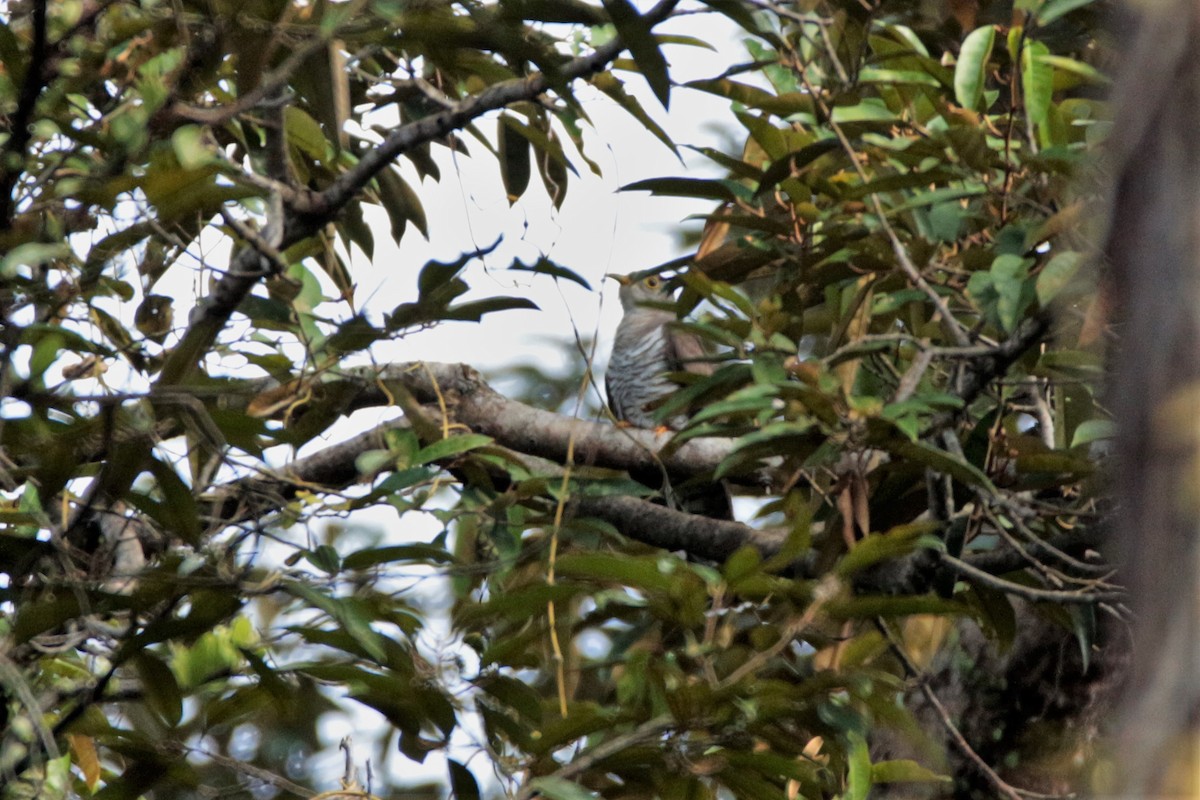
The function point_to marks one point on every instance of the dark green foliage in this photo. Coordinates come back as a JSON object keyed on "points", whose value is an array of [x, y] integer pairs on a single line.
{"points": [[894, 274]]}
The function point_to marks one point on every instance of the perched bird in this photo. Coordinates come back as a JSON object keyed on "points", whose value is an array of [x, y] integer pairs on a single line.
{"points": [[648, 347]]}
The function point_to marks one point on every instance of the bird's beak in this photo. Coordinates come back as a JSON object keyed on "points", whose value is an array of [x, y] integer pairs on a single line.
{"points": [[624, 280]]}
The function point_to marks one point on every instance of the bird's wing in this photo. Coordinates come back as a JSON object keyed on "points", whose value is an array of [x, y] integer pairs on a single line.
{"points": [[686, 352]]}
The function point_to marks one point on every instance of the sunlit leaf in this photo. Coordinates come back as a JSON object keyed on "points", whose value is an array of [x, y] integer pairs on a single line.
{"points": [[970, 72], [905, 771]]}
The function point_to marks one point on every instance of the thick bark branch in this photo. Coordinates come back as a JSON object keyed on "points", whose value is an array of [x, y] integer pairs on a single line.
{"points": [[540, 439], [470, 401]]}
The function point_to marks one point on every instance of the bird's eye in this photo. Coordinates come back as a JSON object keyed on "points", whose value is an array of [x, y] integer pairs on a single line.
{"points": [[653, 282]]}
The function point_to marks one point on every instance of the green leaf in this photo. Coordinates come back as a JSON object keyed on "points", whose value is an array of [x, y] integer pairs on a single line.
{"points": [[515, 694], [637, 37], [608, 83], [905, 771], [970, 73], [1093, 430], [349, 614], [452, 446], [787, 166], [353, 335], [160, 687], [190, 148], [995, 613], [179, 192], [560, 789], [1083, 623], [474, 310], [1010, 279], [1054, 9], [515, 160], [370, 462], [897, 76], [1037, 82], [754, 97], [325, 558], [305, 134], [937, 460], [897, 542], [462, 782], [1057, 274], [544, 266], [31, 254], [178, 513], [420, 553], [744, 561], [644, 573], [870, 109], [401, 202], [685, 187], [1074, 67], [858, 772]]}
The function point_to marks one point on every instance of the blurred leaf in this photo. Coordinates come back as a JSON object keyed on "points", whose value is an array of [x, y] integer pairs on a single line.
{"points": [[365, 559], [895, 543], [608, 83], [401, 203], [1083, 619], [514, 154], [1037, 82], [905, 771], [639, 573], [160, 688], [462, 782], [858, 774], [450, 446], [304, 133], [83, 753], [474, 310], [1093, 430], [1057, 273], [790, 164], [970, 72], [635, 35], [347, 613], [544, 266], [684, 187], [560, 789], [324, 558], [1053, 9]]}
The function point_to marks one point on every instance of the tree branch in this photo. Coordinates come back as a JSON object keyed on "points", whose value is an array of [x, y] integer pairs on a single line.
{"points": [[213, 312], [19, 124]]}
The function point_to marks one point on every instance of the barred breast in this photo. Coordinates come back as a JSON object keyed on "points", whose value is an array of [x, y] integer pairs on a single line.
{"points": [[637, 372]]}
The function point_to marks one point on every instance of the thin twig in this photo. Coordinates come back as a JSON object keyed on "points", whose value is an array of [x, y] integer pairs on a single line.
{"points": [[1079, 596], [251, 237]]}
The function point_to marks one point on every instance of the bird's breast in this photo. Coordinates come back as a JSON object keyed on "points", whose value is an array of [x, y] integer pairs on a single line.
{"points": [[637, 375]]}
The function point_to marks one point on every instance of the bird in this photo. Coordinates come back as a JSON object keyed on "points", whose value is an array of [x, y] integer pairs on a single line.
{"points": [[648, 347]]}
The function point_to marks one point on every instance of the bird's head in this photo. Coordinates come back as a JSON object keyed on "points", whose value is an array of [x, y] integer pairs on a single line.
{"points": [[641, 290]]}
